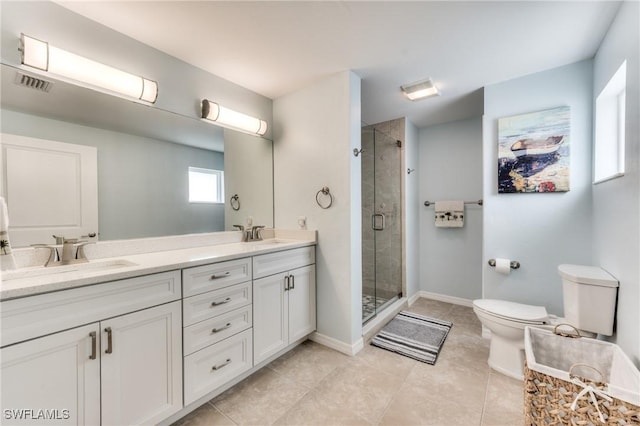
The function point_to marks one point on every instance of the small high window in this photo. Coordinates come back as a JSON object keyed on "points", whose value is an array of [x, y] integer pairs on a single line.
{"points": [[608, 156], [206, 185]]}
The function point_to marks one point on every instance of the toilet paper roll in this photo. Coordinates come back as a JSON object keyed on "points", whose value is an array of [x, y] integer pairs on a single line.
{"points": [[503, 266]]}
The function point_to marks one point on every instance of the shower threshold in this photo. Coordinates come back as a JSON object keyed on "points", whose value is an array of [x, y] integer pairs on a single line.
{"points": [[371, 306]]}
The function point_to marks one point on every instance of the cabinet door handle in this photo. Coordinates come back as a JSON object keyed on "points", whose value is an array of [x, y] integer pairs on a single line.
{"points": [[292, 281], [286, 283], [215, 330], [109, 341], [93, 345], [219, 366], [227, 300], [216, 276]]}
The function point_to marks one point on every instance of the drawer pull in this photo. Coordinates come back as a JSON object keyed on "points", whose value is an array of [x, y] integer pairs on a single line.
{"points": [[93, 345], [216, 330], [216, 276], [109, 342], [219, 366], [227, 300]]}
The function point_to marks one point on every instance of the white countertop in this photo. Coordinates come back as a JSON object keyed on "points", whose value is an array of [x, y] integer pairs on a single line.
{"points": [[36, 280]]}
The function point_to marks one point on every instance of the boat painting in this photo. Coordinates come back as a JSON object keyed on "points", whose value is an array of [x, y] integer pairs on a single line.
{"points": [[533, 151], [536, 147]]}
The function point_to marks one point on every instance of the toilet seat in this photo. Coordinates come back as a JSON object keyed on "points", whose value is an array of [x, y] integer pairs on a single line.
{"points": [[511, 311]]}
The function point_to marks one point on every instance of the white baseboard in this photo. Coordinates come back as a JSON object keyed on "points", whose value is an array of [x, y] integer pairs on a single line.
{"points": [[445, 298], [413, 298], [338, 345]]}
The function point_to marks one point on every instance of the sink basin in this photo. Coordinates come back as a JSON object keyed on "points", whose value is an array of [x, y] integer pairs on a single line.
{"points": [[91, 266], [271, 241], [263, 244]]}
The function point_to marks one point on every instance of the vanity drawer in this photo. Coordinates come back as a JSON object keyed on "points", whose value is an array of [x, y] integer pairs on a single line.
{"points": [[215, 365], [281, 261], [204, 306], [208, 332], [201, 279]]}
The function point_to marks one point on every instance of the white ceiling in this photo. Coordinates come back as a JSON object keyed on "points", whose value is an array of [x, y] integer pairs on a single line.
{"points": [[275, 48]]}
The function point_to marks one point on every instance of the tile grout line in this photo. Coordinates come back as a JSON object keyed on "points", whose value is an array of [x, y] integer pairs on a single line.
{"points": [[220, 411], [486, 394], [309, 390], [386, 408]]}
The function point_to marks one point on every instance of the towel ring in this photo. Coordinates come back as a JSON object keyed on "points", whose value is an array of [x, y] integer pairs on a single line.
{"points": [[324, 191], [234, 201]]}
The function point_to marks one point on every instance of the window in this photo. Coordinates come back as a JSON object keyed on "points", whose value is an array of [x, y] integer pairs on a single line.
{"points": [[206, 185], [608, 156]]}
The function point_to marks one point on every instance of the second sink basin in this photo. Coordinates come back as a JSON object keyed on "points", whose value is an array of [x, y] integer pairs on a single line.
{"points": [[91, 266]]}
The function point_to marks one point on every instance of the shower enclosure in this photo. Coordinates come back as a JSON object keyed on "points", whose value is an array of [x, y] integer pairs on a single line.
{"points": [[381, 221]]}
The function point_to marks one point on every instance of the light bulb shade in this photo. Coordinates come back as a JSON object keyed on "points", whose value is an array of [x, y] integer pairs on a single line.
{"points": [[420, 90], [39, 54], [228, 117]]}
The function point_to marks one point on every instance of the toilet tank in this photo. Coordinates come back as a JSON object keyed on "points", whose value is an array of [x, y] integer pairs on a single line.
{"points": [[589, 298]]}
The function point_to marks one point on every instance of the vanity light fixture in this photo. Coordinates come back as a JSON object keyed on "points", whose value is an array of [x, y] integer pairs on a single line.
{"points": [[420, 90], [41, 55], [228, 117]]}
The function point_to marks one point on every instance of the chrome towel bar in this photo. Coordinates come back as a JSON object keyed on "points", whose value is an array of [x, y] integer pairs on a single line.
{"points": [[479, 202]]}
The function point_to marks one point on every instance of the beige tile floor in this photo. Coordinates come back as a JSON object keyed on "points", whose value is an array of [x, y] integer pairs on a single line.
{"points": [[315, 385]]}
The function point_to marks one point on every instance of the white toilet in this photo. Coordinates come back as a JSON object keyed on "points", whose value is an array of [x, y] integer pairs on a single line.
{"points": [[589, 295]]}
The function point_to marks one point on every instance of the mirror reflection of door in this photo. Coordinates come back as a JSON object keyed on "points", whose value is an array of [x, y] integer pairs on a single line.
{"points": [[51, 188]]}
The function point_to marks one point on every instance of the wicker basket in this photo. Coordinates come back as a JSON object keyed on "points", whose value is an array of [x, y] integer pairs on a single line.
{"points": [[560, 390]]}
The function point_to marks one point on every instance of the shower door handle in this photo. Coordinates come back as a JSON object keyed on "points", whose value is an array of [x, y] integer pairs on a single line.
{"points": [[377, 222]]}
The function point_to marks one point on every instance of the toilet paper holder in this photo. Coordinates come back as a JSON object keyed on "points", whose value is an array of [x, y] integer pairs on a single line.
{"points": [[514, 264]]}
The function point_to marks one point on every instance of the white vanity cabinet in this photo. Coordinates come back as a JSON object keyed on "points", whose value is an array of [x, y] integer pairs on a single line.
{"points": [[54, 374], [141, 366], [284, 300], [120, 368], [218, 320], [148, 349]]}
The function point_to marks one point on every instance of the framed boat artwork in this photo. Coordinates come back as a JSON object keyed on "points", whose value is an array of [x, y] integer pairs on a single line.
{"points": [[533, 151]]}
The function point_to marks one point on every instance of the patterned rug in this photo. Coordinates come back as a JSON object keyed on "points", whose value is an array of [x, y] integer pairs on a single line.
{"points": [[414, 336]]}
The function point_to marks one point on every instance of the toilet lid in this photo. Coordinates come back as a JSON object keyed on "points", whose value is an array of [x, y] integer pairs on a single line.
{"points": [[514, 311]]}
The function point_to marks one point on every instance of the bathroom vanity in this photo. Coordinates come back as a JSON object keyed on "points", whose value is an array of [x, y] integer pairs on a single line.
{"points": [[153, 337]]}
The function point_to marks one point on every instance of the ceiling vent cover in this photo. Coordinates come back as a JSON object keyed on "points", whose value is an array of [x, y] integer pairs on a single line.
{"points": [[33, 82]]}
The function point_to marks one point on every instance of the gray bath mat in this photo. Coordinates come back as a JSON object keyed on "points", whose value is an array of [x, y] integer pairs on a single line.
{"points": [[414, 336]]}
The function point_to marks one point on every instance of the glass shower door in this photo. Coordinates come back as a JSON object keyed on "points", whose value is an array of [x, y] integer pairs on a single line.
{"points": [[381, 222]]}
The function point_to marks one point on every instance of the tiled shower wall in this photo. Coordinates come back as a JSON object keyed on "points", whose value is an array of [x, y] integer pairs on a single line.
{"points": [[382, 193]]}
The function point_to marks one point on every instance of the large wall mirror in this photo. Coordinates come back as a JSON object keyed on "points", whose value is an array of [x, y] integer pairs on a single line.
{"points": [[143, 159]]}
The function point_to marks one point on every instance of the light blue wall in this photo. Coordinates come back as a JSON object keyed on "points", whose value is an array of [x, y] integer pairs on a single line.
{"points": [[540, 231], [142, 182], [451, 169], [616, 203]]}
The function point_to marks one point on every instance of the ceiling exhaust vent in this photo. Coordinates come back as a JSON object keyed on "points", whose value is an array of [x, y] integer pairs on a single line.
{"points": [[33, 82]]}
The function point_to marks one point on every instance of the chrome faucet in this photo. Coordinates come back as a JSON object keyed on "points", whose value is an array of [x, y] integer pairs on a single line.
{"points": [[256, 233], [69, 255], [246, 235], [72, 251], [250, 234]]}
